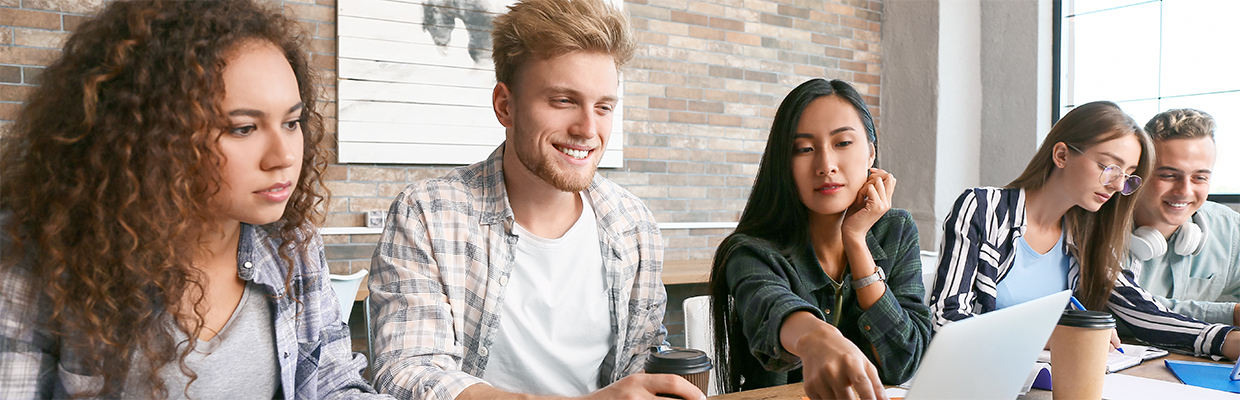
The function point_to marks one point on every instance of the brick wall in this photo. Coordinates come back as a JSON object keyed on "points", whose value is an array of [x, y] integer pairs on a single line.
{"points": [[708, 78], [699, 97]]}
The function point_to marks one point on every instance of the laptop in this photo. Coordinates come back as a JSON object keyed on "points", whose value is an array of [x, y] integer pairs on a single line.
{"points": [[988, 356]]}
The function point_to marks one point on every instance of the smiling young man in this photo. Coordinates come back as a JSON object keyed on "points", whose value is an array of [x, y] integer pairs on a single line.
{"points": [[528, 274], [1189, 257]]}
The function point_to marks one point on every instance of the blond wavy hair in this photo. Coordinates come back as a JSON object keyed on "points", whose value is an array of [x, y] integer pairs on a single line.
{"points": [[550, 28]]}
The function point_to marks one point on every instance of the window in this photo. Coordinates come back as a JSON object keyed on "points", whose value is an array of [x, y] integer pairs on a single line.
{"points": [[1151, 56]]}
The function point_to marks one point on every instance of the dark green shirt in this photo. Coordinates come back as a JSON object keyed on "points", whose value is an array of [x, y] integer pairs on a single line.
{"points": [[767, 286]]}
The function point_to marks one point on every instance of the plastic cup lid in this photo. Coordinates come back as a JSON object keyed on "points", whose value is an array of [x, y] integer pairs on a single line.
{"points": [[1087, 319], [678, 361]]}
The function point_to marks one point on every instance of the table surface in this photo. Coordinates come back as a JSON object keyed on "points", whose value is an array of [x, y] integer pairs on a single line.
{"points": [[1152, 369]]}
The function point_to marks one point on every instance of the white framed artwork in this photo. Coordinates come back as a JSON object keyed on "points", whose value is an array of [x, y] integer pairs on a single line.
{"points": [[415, 82]]}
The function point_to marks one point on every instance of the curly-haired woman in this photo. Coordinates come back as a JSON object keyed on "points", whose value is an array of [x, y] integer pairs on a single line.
{"points": [[157, 194]]}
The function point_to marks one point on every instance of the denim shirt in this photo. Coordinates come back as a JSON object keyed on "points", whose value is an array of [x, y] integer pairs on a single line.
{"points": [[1205, 286], [312, 343]]}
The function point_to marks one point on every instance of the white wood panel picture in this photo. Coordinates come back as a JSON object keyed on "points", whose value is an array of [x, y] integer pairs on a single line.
{"points": [[415, 82]]}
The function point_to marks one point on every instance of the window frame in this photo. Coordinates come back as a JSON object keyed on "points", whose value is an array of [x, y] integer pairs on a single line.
{"points": [[1057, 15]]}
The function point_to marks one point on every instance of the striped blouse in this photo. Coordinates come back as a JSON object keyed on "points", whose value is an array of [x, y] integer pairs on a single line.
{"points": [[978, 248]]}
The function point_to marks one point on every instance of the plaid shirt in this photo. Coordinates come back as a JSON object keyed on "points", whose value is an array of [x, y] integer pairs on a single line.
{"points": [[767, 286], [312, 344], [442, 264]]}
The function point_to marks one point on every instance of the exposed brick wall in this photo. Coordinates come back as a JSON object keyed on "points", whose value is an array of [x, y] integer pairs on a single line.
{"points": [[699, 98], [708, 78], [31, 36]]}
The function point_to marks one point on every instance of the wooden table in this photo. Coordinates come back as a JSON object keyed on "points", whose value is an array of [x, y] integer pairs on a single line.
{"points": [[1152, 369]]}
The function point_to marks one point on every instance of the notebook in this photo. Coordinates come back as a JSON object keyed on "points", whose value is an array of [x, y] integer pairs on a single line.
{"points": [[1132, 356], [987, 356]]}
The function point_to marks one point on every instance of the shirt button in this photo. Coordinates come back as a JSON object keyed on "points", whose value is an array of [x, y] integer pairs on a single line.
{"points": [[286, 354], [247, 264], [482, 351], [867, 327], [827, 311], [503, 281]]}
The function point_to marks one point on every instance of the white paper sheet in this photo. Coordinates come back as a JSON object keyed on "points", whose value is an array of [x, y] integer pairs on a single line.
{"points": [[1127, 387], [895, 392]]}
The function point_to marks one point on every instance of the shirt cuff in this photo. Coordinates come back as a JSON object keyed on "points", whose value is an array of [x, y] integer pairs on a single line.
{"points": [[1210, 341], [782, 360], [881, 317], [1219, 313], [425, 382]]}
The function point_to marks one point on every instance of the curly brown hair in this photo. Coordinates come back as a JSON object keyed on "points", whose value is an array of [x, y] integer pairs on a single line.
{"points": [[109, 168]]}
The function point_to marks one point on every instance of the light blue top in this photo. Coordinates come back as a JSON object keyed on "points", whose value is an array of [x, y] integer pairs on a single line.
{"points": [[1033, 275], [1205, 286]]}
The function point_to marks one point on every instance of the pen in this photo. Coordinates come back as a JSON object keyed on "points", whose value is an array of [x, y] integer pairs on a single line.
{"points": [[1077, 304]]}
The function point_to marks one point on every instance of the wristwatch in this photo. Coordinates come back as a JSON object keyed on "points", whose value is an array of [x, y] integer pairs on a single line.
{"points": [[878, 275]]}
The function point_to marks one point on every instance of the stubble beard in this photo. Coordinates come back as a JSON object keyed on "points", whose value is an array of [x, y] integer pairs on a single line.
{"points": [[540, 164]]}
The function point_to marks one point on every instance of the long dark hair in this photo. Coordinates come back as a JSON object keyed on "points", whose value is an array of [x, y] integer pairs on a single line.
{"points": [[1100, 237], [773, 216], [110, 167]]}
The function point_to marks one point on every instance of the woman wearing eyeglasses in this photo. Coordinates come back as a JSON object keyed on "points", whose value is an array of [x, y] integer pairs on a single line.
{"points": [[1064, 224]]}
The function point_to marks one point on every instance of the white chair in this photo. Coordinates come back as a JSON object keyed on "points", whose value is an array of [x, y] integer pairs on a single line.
{"points": [[699, 334], [927, 279], [346, 290], [929, 267]]}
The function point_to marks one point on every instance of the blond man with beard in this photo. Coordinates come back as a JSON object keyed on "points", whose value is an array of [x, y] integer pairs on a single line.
{"points": [[1186, 250], [528, 274]]}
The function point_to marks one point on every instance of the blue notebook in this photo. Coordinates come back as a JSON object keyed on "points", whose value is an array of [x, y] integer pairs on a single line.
{"points": [[1203, 374]]}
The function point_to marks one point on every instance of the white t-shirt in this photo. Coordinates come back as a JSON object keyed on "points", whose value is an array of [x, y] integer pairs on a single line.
{"points": [[555, 320]]}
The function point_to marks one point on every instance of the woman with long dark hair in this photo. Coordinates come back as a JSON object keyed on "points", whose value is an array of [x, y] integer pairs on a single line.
{"points": [[1064, 224], [821, 280], [156, 201]]}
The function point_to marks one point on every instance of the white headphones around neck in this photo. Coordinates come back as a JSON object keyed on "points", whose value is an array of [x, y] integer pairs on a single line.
{"points": [[1147, 243]]}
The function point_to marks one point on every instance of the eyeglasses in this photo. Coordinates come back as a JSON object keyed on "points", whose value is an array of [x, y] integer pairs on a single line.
{"points": [[1112, 172]]}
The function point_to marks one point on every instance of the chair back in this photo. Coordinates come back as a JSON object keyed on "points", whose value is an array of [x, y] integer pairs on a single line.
{"points": [[929, 267], [346, 290], [699, 334]]}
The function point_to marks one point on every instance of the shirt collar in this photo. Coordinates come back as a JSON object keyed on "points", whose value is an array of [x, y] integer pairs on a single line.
{"points": [[257, 260], [1019, 219], [806, 261], [246, 250], [495, 207]]}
